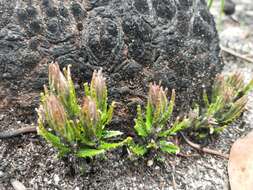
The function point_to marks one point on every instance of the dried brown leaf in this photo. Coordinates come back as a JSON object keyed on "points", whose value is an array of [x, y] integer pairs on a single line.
{"points": [[240, 166]]}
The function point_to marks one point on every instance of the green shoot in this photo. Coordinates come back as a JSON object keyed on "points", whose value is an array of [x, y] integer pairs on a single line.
{"points": [[225, 105], [152, 128], [71, 128]]}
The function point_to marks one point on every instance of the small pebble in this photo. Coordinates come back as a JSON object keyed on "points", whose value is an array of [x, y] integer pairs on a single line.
{"points": [[17, 185], [56, 179], [150, 163], [1, 174]]}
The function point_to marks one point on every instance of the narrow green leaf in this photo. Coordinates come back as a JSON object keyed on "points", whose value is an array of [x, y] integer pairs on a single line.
{"points": [[215, 106], [248, 87], [157, 113], [149, 117], [167, 114], [234, 112], [222, 7], [110, 134], [138, 150], [104, 102], [109, 114], [209, 4], [140, 124], [72, 104], [169, 147], [86, 141], [109, 146], [85, 152], [176, 127], [53, 139], [70, 132], [205, 99], [93, 92], [86, 89]]}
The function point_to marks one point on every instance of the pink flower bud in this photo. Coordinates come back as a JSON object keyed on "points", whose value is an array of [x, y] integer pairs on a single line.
{"points": [[90, 111], [57, 79], [236, 81], [55, 112], [228, 93], [99, 85], [157, 96]]}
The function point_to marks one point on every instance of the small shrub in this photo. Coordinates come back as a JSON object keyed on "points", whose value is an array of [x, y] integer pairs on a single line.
{"points": [[81, 130], [226, 104], [152, 128], [71, 128]]}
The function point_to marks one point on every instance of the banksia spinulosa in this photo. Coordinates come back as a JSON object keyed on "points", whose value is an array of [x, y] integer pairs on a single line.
{"points": [[74, 129], [229, 98], [157, 96], [57, 80], [154, 127], [97, 91]]}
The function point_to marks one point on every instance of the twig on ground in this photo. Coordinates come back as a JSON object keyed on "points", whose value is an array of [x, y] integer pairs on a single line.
{"points": [[173, 177], [172, 164], [227, 50], [187, 155], [204, 149], [17, 132]]}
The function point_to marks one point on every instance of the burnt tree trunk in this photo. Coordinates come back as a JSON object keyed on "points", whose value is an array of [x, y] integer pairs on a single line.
{"points": [[135, 42]]}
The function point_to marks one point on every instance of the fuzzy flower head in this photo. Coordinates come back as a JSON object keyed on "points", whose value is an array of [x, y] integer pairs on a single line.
{"points": [[228, 94], [89, 109], [236, 81], [157, 96], [98, 84], [219, 82], [57, 79], [55, 112]]}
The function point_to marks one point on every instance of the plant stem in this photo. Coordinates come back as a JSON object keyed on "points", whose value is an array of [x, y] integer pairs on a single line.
{"points": [[209, 4], [231, 52], [9, 134], [203, 149]]}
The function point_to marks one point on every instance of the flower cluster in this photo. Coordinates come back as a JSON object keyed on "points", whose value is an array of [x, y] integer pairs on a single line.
{"points": [[154, 129], [227, 103], [80, 130], [75, 129]]}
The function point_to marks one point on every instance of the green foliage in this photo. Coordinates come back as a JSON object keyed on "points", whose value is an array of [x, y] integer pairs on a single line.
{"points": [[225, 105], [75, 129], [209, 4], [152, 127], [222, 4], [80, 130]]}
